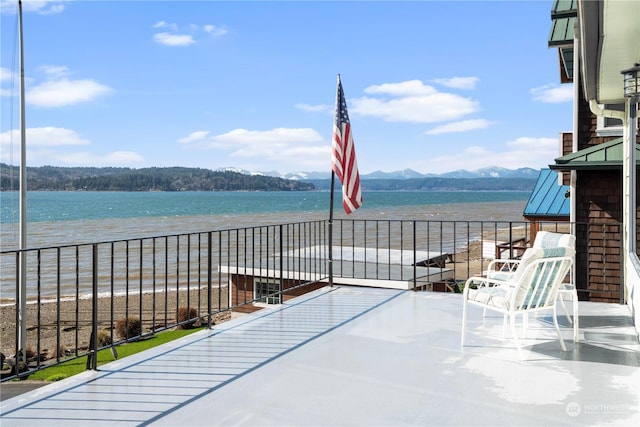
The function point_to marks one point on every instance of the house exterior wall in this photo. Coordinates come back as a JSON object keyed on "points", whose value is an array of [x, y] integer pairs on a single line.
{"points": [[599, 216], [566, 139], [598, 235], [242, 291]]}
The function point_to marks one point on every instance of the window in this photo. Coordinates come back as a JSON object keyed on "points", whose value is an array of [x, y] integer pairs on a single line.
{"points": [[266, 291], [608, 126]]}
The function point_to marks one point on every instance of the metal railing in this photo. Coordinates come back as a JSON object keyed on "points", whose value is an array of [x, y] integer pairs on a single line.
{"points": [[87, 297]]}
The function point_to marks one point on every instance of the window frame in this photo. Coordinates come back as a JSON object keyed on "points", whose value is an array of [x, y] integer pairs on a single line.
{"points": [[266, 291], [603, 128]]}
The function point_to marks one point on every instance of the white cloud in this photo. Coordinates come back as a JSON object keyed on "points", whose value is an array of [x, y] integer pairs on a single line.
{"points": [[519, 153], [412, 102], [461, 126], [168, 39], [163, 24], [5, 74], [296, 148], [315, 108], [530, 144], [114, 158], [458, 82], [55, 71], [553, 94], [187, 35], [277, 136], [43, 137], [215, 31], [56, 146], [197, 136], [62, 92], [41, 7], [432, 108], [408, 88]]}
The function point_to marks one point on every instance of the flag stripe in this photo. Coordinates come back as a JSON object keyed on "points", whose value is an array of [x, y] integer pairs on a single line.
{"points": [[343, 155]]}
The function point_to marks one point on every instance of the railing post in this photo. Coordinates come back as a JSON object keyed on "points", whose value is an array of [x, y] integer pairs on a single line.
{"points": [[209, 277], [415, 270], [281, 265], [92, 358], [19, 319]]}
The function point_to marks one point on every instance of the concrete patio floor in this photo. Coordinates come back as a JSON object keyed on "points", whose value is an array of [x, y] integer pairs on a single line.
{"points": [[360, 356]]}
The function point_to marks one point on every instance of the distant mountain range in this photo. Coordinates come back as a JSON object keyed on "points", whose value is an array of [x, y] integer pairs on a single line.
{"points": [[486, 179], [234, 179], [491, 172]]}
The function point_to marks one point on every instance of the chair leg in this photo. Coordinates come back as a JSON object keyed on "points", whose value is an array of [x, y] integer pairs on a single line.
{"points": [[464, 320], [505, 319], [576, 317], [555, 322], [566, 312], [514, 332]]}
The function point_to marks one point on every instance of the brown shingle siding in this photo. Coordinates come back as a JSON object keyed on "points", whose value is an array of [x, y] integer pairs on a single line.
{"points": [[598, 210]]}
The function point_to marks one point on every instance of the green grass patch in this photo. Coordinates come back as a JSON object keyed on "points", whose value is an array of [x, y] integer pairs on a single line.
{"points": [[76, 366]]}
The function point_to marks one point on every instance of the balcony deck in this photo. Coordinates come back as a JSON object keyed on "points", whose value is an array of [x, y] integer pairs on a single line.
{"points": [[360, 356]]}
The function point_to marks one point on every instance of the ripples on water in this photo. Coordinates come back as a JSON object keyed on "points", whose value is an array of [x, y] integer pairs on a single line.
{"points": [[58, 218], [230, 211]]}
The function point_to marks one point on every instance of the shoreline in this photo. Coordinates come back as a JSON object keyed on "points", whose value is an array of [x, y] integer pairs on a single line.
{"points": [[8, 302]]}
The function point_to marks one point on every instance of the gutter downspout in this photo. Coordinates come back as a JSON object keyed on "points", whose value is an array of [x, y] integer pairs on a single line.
{"points": [[602, 112], [573, 174], [629, 189]]}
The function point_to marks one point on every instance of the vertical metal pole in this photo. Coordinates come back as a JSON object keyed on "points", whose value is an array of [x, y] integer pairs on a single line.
{"points": [[94, 318], [629, 188], [281, 267], [573, 177], [22, 274], [209, 278], [415, 270], [632, 127], [333, 180]]}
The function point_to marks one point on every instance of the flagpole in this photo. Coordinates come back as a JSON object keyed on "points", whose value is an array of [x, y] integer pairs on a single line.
{"points": [[22, 257], [343, 164], [333, 179]]}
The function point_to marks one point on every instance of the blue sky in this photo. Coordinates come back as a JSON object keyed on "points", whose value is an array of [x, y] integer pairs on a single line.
{"points": [[432, 86]]}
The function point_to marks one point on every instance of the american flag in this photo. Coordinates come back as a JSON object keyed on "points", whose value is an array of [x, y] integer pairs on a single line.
{"points": [[343, 155]]}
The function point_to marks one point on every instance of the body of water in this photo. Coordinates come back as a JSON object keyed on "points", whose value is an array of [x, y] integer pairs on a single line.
{"points": [[69, 218], [59, 218]]}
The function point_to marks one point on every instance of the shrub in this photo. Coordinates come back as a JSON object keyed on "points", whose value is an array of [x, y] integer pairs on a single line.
{"points": [[60, 352], [185, 314], [129, 327], [31, 353], [104, 338]]}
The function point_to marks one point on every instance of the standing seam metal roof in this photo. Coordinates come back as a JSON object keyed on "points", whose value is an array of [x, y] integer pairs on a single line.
{"points": [[548, 198], [607, 155]]}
